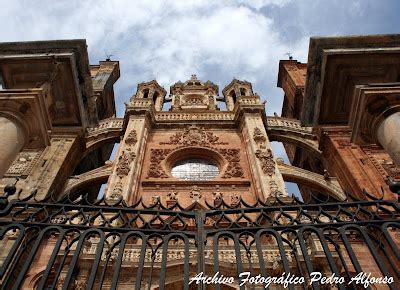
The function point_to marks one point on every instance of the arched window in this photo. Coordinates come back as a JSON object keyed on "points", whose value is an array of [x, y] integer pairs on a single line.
{"points": [[195, 169], [242, 91], [233, 96], [155, 96], [145, 93]]}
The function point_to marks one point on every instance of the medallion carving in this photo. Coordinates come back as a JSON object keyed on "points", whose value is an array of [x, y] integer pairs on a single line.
{"points": [[267, 161]]}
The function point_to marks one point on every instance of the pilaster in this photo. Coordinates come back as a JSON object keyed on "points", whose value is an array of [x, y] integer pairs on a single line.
{"points": [[267, 176], [124, 180]]}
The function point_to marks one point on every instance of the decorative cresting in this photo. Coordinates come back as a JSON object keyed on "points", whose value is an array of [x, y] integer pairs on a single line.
{"points": [[193, 116], [311, 179], [193, 136]]}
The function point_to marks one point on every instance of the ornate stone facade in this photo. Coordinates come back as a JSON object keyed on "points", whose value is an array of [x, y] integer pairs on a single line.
{"points": [[224, 159]]}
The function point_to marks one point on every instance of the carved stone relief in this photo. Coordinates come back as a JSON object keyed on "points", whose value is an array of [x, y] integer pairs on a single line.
{"points": [[173, 194], [267, 161], [233, 157], [259, 137], [155, 169], [124, 162], [195, 193], [194, 136], [274, 189], [117, 191], [217, 193], [131, 139], [24, 163], [235, 199], [383, 163]]}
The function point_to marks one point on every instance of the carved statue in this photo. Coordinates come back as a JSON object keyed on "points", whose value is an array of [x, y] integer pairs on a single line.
{"points": [[217, 193], [235, 199], [195, 193], [173, 194]]}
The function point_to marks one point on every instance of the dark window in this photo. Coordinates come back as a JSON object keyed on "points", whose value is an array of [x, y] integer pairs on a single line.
{"points": [[145, 93], [233, 95]]}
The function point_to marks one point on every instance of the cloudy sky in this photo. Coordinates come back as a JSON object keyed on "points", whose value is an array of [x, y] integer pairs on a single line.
{"points": [[217, 40]]}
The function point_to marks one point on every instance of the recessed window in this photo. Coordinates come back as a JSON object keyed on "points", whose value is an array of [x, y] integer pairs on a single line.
{"points": [[195, 169]]}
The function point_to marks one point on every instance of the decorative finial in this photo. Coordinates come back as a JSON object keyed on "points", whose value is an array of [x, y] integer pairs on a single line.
{"points": [[289, 54], [108, 57], [194, 77]]}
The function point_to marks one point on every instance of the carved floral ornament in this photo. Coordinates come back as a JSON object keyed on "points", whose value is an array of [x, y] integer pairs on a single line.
{"points": [[124, 162], [267, 161], [198, 137], [127, 156], [131, 139], [258, 136]]}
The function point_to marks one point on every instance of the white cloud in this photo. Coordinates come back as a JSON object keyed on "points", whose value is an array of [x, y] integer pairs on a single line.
{"points": [[163, 40]]}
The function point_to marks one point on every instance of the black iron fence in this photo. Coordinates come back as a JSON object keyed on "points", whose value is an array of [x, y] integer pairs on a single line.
{"points": [[277, 244]]}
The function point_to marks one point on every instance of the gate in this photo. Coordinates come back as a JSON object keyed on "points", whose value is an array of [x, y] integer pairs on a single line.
{"points": [[75, 243]]}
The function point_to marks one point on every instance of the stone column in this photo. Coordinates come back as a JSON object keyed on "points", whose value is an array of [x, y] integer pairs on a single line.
{"points": [[12, 139], [388, 135]]}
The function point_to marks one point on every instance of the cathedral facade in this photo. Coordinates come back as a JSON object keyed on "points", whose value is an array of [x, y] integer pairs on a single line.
{"points": [[195, 190]]}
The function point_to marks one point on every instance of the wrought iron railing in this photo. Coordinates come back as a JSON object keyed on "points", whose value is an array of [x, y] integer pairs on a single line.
{"points": [[72, 243]]}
